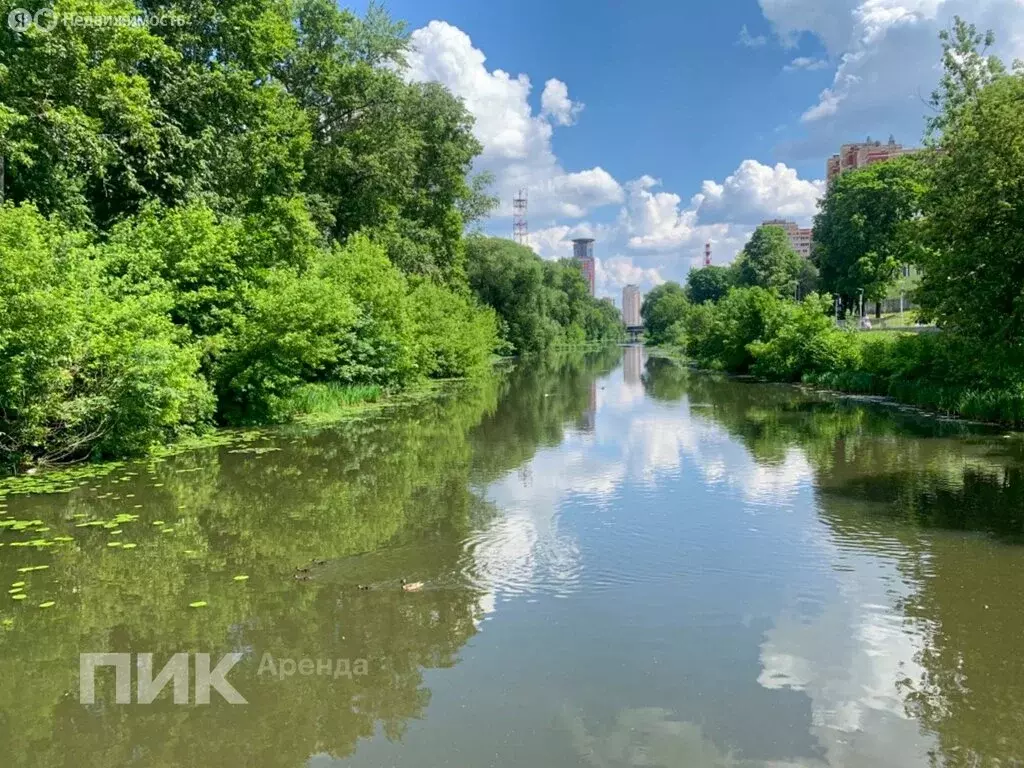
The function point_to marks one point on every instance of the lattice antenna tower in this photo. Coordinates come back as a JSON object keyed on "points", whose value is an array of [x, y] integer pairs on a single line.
{"points": [[707, 254], [520, 229]]}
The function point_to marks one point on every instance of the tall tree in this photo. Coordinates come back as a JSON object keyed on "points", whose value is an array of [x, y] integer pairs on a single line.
{"points": [[663, 307], [973, 276], [869, 227], [769, 261], [967, 68], [709, 283], [510, 278], [80, 128]]}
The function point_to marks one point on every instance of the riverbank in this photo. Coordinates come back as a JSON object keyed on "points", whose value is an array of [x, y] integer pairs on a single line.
{"points": [[312, 405], [994, 406]]}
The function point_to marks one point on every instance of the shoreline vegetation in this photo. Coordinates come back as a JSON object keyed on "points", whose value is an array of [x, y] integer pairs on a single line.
{"points": [[251, 217], [327, 411], [951, 215], [835, 387]]}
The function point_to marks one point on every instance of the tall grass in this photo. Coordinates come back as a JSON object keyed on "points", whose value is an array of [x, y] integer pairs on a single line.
{"points": [[331, 399]]}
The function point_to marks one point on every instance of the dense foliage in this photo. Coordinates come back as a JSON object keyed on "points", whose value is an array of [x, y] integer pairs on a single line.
{"points": [[769, 261], [710, 283], [199, 219], [869, 228], [663, 307], [539, 303], [974, 272]]}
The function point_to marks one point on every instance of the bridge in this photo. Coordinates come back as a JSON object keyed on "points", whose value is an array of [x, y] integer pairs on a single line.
{"points": [[635, 332]]}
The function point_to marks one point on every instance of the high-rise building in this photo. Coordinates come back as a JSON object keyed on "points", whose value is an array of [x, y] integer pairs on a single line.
{"points": [[853, 156], [583, 252], [800, 238], [631, 306]]}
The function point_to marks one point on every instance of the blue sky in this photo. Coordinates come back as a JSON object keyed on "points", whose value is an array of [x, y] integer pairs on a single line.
{"points": [[656, 125]]}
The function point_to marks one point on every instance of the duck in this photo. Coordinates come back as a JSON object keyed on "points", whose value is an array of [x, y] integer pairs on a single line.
{"points": [[412, 586], [303, 577], [362, 587]]}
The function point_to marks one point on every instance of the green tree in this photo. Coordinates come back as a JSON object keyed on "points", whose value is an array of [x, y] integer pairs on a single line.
{"points": [[455, 336], [663, 306], [808, 279], [967, 69], [769, 261], [869, 227], [510, 278], [603, 322], [972, 275], [709, 283], [84, 372], [80, 128]]}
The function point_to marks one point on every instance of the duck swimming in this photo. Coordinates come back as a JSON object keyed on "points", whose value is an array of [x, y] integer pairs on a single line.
{"points": [[412, 586]]}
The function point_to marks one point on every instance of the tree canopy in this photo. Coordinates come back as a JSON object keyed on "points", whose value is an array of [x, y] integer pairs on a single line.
{"points": [[539, 302], [663, 306], [869, 228], [973, 273], [769, 261], [709, 283]]}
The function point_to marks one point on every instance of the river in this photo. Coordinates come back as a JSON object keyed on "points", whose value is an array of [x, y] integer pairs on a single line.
{"points": [[613, 562]]}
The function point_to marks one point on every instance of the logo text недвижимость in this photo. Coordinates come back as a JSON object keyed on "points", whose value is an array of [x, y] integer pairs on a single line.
{"points": [[22, 20]]}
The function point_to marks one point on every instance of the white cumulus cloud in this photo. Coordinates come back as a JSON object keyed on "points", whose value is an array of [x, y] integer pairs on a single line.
{"points": [[724, 213], [755, 192], [555, 102], [516, 141], [616, 273], [887, 52]]}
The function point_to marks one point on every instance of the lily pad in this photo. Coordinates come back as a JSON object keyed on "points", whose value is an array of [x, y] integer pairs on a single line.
{"points": [[241, 577], [19, 596], [47, 604], [197, 604]]}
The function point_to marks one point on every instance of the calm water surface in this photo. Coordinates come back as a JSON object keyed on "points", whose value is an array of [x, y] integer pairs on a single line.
{"points": [[624, 564]]}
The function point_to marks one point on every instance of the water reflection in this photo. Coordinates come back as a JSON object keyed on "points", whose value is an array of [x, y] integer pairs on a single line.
{"points": [[624, 563]]}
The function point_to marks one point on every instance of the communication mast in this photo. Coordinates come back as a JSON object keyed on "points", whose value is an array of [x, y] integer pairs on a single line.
{"points": [[520, 230], [707, 254]]}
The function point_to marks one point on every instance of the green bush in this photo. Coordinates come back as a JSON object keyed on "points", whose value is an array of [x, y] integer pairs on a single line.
{"points": [[455, 336], [382, 351], [82, 371], [188, 252], [803, 339], [297, 329], [719, 335]]}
